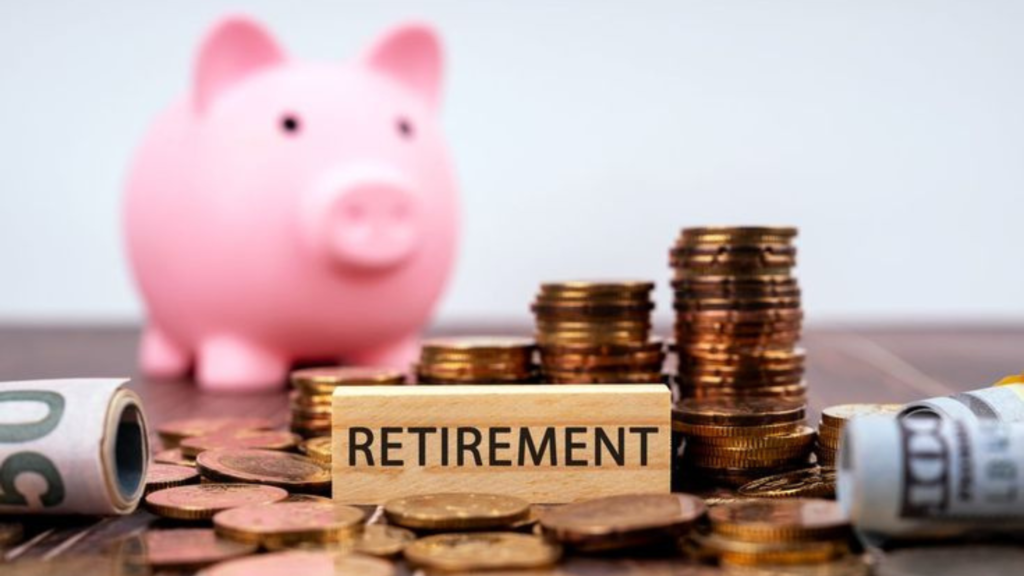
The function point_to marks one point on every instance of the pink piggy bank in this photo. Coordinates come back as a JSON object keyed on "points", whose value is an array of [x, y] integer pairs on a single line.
{"points": [[286, 210]]}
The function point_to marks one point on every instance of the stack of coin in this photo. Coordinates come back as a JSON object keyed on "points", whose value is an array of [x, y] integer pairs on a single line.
{"points": [[597, 332], [735, 441], [477, 360], [834, 418], [738, 315], [314, 387], [774, 532]]}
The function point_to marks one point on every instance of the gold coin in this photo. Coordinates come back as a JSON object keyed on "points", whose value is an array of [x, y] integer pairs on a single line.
{"points": [[625, 521], [791, 520], [597, 286], [325, 379], [160, 476], [173, 432], [478, 345], [306, 498], [456, 511], [653, 377], [815, 482], [482, 551], [202, 501], [799, 437], [702, 430], [739, 412], [318, 449], [265, 439], [737, 234], [282, 469], [180, 549], [174, 457], [837, 416], [276, 526], [383, 540], [10, 533], [742, 553], [303, 563]]}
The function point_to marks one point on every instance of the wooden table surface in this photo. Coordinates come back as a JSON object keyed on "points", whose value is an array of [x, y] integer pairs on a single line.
{"points": [[845, 364]]}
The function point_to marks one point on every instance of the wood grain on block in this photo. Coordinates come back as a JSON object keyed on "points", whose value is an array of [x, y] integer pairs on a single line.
{"points": [[543, 443]]}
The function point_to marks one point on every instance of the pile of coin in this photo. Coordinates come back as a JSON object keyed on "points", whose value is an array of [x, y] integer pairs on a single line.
{"points": [[597, 332], [314, 387], [477, 360], [738, 313], [735, 441], [834, 418], [778, 532]]}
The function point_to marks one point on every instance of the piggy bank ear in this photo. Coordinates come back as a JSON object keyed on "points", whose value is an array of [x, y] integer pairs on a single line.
{"points": [[411, 54], [234, 48]]}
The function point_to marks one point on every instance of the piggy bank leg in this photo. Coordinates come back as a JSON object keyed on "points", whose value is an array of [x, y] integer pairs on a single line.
{"points": [[229, 364], [400, 354], [160, 357]]}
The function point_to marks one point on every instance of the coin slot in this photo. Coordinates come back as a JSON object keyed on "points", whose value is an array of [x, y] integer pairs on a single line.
{"points": [[129, 451]]}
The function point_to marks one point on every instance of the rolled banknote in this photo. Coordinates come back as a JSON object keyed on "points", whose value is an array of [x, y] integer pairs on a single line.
{"points": [[76, 446], [929, 476], [1004, 403]]}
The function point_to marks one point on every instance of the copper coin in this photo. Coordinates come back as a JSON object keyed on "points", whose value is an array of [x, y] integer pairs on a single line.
{"points": [[282, 469], [173, 432], [838, 416], [174, 457], [736, 234], [383, 540], [303, 563], [476, 552], [597, 286], [789, 519], [738, 412], [306, 498], [456, 511], [324, 379], [318, 449], [10, 533], [622, 521], [160, 476], [265, 439], [181, 548], [482, 345], [276, 526], [204, 500]]}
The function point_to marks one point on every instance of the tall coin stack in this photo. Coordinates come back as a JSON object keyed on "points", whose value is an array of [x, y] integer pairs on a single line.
{"points": [[732, 442], [477, 360], [738, 315], [314, 387], [597, 333]]}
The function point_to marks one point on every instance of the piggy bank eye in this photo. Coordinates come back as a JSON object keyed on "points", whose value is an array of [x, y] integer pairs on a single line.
{"points": [[290, 124], [404, 128]]}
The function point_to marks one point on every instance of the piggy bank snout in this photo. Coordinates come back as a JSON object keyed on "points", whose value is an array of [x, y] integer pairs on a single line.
{"points": [[367, 219]]}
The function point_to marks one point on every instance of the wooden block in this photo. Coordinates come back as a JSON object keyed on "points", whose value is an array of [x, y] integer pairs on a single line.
{"points": [[543, 443]]}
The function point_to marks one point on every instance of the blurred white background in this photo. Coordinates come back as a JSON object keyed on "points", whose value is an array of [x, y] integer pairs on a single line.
{"points": [[586, 134]]}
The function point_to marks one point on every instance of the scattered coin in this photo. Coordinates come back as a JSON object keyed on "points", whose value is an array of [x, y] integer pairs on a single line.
{"points": [[181, 548], [306, 498], [282, 469], [383, 540], [303, 563], [481, 551], [796, 519], [280, 525], [623, 521], [318, 449], [263, 439], [160, 476], [743, 553], [202, 501], [173, 432], [848, 565], [464, 511], [174, 457], [814, 482]]}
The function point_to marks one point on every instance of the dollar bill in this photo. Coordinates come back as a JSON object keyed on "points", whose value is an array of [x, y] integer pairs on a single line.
{"points": [[928, 476], [75, 446], [1003, 403]]}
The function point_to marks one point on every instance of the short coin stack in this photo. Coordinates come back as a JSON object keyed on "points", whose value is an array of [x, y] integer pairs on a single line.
{"points": [[732, 442], [477, 360], [834, 418], [311, 398], [738, 313], [597, 333], [774, 532]]}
